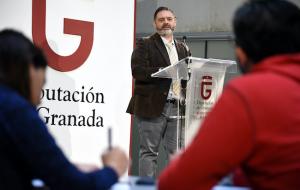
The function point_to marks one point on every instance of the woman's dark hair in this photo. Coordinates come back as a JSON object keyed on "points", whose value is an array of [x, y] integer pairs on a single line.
{"points": [[264, 28], [16, 53]]}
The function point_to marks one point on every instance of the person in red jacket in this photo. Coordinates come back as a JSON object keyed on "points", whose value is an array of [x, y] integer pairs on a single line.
{"points": [[255, 125]]}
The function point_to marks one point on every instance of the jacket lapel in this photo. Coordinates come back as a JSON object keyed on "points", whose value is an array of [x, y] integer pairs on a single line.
{"points": [[161, 47], [180, 52]]}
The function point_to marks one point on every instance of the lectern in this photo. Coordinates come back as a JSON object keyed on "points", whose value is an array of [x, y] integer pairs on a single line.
{"points": [[205, 81]]}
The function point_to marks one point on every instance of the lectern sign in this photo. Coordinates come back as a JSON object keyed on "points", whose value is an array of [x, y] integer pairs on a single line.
{"points": [[206, 84], [204, 88]]}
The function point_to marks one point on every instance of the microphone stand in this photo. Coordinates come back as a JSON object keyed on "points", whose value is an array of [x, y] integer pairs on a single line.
{"points": [[181, 102]]}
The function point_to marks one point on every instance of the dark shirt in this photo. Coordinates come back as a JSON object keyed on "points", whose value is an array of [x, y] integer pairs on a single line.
{"points": [[28, 151]]}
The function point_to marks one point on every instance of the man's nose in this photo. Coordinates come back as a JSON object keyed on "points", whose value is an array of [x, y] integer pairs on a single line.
{"points": [[165, 21]]}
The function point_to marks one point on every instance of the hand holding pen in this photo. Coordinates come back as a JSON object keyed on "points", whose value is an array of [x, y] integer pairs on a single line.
{"points": [[115, 157]]}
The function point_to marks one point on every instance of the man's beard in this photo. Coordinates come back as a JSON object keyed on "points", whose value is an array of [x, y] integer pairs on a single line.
{"points": [[165, 32]]}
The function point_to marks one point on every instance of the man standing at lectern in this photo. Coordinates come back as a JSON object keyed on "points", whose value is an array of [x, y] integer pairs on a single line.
{"points": [[154, 101]]}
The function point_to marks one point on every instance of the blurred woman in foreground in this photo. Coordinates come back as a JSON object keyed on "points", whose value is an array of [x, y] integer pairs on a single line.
{"points": [[27, 150]]}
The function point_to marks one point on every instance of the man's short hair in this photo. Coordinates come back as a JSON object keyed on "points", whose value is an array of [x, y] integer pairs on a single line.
{"points": [[264, 28], [161, 9]]}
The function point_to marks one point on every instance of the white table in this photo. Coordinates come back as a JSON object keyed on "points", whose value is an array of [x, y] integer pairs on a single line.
{"points": [[129, 183]]}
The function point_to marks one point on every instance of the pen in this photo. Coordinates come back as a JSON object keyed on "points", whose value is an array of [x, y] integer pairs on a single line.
{"points": [[109, 138]]}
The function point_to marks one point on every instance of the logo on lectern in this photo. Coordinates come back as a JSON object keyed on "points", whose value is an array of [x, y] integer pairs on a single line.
{"points": [[205, 87], [84, 29]]}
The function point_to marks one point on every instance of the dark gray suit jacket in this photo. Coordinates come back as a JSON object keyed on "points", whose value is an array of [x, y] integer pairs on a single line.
{"points": [[150, 94]]}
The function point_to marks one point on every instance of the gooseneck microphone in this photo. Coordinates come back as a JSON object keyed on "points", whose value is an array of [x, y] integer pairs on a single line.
{"points": [[187, 59], [186, 47]]}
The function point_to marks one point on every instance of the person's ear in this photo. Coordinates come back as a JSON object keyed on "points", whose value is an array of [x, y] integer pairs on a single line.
{"points": [[153, 24], [241, 55]]}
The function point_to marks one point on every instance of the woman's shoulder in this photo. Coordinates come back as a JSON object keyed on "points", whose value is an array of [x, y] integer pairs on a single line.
{"points": [[10, 100]]}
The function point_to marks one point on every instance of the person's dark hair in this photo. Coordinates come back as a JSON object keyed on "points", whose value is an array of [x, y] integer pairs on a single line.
{"points": [[263, 28], [16, 53], [161, 9]]}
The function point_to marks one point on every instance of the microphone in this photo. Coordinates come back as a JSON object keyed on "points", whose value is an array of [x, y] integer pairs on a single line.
{"points": [[185, 45], [187, 60]]}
